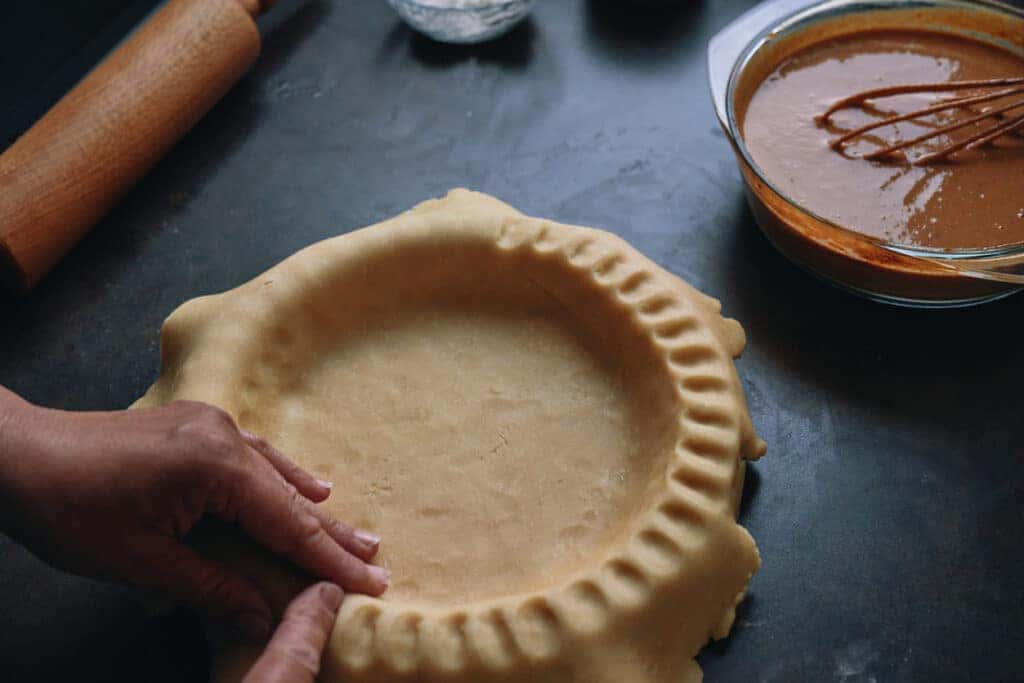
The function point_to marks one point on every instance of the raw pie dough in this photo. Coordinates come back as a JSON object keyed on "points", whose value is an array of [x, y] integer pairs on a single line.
{"points": [[545, 427]]}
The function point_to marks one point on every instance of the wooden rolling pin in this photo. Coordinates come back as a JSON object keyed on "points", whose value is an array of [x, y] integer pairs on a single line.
{"points": [[76, 162]]}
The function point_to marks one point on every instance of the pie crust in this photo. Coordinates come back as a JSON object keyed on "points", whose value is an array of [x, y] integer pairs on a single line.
{"points": [[546, 428]]}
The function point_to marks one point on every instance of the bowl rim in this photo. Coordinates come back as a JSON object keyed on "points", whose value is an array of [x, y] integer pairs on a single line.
{"points": [[831, 9]]}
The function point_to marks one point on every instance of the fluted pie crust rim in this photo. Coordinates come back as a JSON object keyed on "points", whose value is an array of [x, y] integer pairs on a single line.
{"points": [[645, 606]]}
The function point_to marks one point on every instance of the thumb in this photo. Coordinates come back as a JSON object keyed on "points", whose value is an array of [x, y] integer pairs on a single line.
{"points": [[293, 655], [222, 593]]}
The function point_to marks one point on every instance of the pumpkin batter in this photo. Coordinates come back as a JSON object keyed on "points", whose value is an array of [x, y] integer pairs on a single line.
{"points": [[973, 200]]}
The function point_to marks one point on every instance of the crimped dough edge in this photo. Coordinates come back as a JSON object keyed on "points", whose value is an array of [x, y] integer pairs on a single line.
{"points": [[643, 609]]}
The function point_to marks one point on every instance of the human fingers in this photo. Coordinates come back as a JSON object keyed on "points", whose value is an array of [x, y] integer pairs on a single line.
{"points": [[360, 543], [293, 654], [172, 568], [273, 513], [317, 490]]}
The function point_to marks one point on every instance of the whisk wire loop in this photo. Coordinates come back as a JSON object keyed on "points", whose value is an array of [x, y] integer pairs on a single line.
{"points": [[1005, 121]]}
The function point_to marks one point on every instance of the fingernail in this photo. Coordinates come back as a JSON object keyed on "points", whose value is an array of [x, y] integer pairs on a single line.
{"points": [[366, 537], [331, 595], [380, 574], [254, 626], [325, 484]]}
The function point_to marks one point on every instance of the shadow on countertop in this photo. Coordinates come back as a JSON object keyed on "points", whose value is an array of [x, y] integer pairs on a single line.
{"points": [[93, 631], [910, 360], [643, 33], [751, 488], [287, 27], [745, 615]]}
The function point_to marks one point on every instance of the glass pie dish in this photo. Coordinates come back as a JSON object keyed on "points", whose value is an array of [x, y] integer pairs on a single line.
{"points": [[746, 51]]}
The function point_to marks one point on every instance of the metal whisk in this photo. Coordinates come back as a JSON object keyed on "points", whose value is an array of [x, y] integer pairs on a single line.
{"points": [[1004, 118]]}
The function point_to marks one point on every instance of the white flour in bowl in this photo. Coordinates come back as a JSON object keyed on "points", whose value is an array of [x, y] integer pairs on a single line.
{"points": [[462, 21]]}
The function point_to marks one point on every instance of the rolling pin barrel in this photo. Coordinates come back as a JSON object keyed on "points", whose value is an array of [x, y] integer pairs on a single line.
{"points": [[75, 163]]}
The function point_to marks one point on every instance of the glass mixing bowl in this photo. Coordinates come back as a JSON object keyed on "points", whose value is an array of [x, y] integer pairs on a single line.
{"points": [[753, 45]]}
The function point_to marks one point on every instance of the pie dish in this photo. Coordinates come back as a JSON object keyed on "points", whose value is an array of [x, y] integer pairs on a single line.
{"points": [[546, 428]]}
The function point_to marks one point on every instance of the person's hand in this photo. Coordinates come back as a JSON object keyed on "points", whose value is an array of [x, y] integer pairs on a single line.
{"points": [[111, 495], [293, 654]]}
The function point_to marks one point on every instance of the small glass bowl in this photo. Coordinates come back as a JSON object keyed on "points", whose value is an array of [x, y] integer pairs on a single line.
{"points": [[753, 45], [465, 21]]}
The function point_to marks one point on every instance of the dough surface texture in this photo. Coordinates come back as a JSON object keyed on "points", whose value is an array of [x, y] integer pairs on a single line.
{"points": [[545, 427]]}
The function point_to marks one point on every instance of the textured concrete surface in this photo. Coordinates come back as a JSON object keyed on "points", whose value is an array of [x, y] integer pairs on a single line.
{"points": [[889, 507]]}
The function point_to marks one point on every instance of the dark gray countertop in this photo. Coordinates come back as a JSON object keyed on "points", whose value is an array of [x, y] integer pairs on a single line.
{"points": [[889, 507]]}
